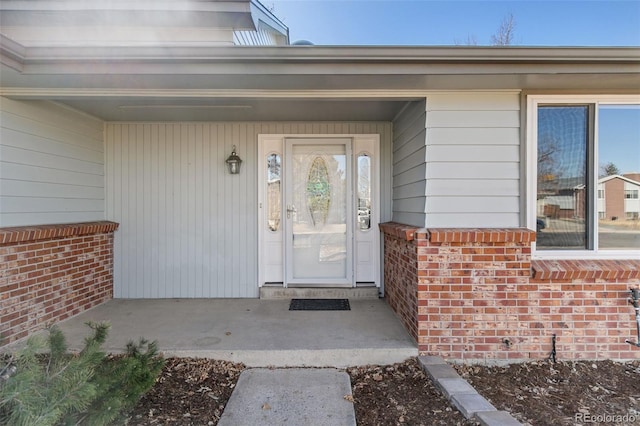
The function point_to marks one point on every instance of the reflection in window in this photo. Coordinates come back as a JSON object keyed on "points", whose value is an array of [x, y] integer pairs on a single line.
{"points": [[619, 176], [562, 196], [588, 185], [318, 191], [364, 192], [274, 177]]}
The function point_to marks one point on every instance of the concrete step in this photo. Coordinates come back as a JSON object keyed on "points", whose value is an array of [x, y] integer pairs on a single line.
{"points": [[317, 357], [279, 293], [259, 333]]}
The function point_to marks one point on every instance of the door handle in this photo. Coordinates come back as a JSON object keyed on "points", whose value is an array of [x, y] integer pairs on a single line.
{"points": [[290, 209]]}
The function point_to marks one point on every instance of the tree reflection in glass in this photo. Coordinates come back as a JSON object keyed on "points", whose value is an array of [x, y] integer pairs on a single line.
{"points": [[274, 167]]}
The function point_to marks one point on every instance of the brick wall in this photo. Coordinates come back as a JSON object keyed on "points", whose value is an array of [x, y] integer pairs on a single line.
{"points": [[401, 274], [52, 272], [479, 296]]}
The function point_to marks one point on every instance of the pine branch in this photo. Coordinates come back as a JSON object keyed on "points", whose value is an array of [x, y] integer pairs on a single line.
{"points": [[86, 388], [6, 372]]}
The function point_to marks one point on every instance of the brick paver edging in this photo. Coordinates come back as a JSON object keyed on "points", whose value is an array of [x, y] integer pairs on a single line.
{"points": [[462, 395]]}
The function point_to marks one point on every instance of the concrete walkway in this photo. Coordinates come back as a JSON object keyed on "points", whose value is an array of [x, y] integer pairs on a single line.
{"points": [[259, 333], [322, 397], [295, 396]]}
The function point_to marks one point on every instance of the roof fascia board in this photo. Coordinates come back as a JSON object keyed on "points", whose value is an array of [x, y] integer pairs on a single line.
{"points": [[408, 95], [168, 5], [40, 93], [259, 13], [119, 18], [12, 53], [214, 67], [313, 54]]}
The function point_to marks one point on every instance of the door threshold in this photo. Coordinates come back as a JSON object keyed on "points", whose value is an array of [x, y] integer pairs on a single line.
{"points": [[280, 293], [307, 285]]}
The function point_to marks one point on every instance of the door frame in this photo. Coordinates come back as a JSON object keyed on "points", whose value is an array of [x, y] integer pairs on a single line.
{"points": [[366, 245]]}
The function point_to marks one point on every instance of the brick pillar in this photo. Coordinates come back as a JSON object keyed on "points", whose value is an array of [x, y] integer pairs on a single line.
{"points": [[401, 269], [52, 272]]}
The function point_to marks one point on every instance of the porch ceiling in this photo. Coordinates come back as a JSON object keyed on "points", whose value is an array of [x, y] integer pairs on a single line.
{"points": [[236, 109]]}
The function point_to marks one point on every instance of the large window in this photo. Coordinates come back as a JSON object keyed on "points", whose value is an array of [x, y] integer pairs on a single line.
{"points": [[586, 157]]}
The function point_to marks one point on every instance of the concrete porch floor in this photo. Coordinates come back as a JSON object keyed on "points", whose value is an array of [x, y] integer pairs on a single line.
{"points": [[259, 333]]}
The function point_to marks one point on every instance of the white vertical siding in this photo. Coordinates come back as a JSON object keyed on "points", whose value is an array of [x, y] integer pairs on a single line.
{"points": [[473, 159], [51, 164], [187, 227], [409, 175]]}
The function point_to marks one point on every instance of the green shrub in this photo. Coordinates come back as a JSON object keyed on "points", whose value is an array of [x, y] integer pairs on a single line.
{"points": [[85, 388], [121, 381]]}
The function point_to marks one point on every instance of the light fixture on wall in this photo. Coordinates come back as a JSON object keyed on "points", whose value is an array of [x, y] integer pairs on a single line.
{"points": [[233, 162]]}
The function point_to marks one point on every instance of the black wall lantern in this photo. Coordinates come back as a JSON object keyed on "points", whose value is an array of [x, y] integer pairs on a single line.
{"points": [[233, 162]]}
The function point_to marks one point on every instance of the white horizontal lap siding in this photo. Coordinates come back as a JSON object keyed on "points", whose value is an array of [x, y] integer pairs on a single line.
{"points": [[409, 154], [51, 164], [473, 159], [260, 37], [631, 205], [188, 228]]}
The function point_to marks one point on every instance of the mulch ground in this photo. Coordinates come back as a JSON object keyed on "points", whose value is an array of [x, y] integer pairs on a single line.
{"points": [[563, 393], [195, 392], [189, 391], [400, 394]]}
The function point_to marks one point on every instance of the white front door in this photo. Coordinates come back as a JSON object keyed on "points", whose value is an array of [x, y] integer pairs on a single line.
{"points": [[318, 234], [318, 210]]}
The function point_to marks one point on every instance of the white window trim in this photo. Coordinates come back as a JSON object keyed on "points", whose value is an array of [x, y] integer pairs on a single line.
{"points": [[533, 101]]}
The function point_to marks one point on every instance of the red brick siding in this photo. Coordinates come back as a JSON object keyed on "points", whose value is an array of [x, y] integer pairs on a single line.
{"points": [[476, 289], [49, 273], [593, 316]]}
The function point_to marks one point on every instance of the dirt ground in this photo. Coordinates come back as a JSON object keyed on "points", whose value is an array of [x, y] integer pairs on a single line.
{"points": [[195, 391]]}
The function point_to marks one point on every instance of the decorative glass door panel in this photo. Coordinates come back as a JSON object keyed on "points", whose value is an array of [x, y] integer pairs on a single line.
{"points": [[317, 211]]}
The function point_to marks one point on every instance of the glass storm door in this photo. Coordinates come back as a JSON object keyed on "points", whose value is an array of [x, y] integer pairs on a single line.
{"points": [[318, 234]]}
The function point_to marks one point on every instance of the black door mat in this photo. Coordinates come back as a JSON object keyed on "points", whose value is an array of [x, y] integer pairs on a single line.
{"points": [[319, 305]]}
